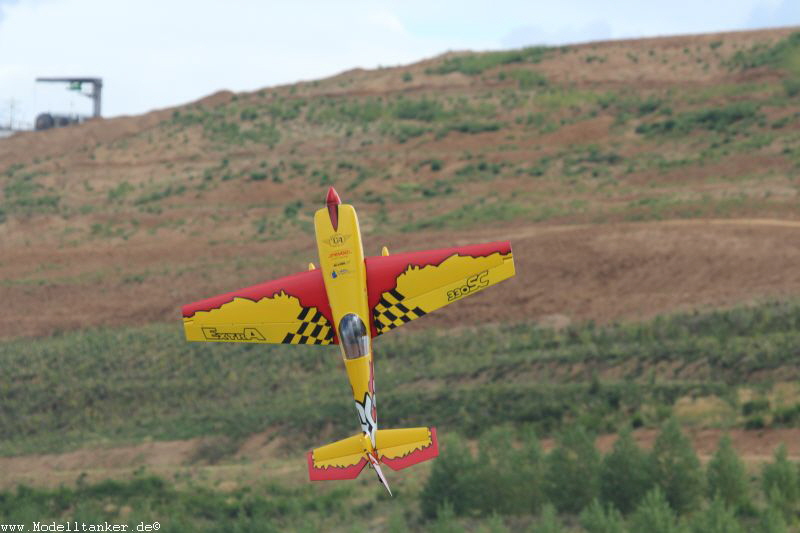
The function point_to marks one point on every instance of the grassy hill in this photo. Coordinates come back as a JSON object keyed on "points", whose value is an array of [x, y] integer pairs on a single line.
{"points": [[649, 188]]}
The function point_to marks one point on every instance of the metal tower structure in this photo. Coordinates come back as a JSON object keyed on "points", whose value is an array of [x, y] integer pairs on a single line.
{"points": [[76, 84]]}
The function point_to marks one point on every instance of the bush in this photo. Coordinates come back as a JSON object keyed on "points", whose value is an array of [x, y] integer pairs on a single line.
{"points": [[761, 55], [727, 478], [424, 110], [716, 119], [572, 471], [625, 474], [676, 468]]}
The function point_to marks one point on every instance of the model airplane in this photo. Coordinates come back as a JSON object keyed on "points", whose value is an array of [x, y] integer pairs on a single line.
{"points": [[348, 301]]}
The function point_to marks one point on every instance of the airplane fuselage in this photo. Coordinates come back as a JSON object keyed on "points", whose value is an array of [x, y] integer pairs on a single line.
{"points": [[341, 257]]}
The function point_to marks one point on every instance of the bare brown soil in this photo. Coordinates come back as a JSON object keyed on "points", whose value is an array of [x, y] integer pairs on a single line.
{"points": [[577, 272]]}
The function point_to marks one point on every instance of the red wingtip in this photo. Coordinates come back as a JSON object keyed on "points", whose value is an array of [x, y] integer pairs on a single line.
{"points": [[333, 197]]}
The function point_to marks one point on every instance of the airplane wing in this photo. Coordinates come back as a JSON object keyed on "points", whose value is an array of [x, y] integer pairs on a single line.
{"points": [[406, 286], [290, 310]]}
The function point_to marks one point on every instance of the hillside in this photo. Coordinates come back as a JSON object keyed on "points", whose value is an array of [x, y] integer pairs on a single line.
{"points": [[583, 150], [650, 191]]}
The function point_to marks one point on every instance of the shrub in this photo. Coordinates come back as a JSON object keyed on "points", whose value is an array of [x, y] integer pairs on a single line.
{"points": [[761, 55], [727, 478], [529, 79], [716, 119], [676, 468], [424, 110], [625, 474], [572, 471]]}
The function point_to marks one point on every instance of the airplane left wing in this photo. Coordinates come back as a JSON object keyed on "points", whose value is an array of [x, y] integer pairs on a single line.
{"points": [[406, 286], [290, 310]]}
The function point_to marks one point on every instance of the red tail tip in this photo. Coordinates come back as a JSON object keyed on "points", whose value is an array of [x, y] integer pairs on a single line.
{"points": [[333, 197]]}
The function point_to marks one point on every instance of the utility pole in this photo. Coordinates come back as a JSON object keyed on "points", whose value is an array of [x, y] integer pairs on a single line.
{"points": [[12, 105]]}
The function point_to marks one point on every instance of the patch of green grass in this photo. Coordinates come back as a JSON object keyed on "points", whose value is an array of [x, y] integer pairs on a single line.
{"points": [[159, 195], [720, 119], [474, 64], [529, 79], [763, 55]]}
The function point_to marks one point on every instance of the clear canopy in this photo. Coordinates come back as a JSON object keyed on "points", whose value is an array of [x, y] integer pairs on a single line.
{"points": [[354, 336]]}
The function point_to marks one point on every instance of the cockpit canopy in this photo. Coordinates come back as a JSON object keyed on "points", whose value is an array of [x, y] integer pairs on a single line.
{"points": [[353, 336]]}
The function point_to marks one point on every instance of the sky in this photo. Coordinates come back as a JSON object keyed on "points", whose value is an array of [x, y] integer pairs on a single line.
{"points": [[153, 54]]}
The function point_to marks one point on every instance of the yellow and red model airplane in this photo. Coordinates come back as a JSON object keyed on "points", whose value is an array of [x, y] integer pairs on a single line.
{"points": [[348, 301]]}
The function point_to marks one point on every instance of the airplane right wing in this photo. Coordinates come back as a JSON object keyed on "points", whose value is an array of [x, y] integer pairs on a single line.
{"points": [[404, 287]]}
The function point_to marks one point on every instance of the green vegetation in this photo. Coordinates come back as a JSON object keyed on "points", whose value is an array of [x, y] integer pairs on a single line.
{"points": [[150, 382], [740, 114], [508, 481], [474, 64], [762, 55]]}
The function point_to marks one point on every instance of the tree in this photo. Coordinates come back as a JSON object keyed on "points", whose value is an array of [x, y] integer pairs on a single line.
{"points": [[772, 520], [654, 515], [779, 480], [548, 521], [509, 476], [595, 519], [727, 478], [676, 468], [572, 471], [625, 474], [717, 518], [451, 481]]}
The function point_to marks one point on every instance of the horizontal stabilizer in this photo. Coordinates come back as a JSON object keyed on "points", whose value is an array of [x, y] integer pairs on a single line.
{"points": [[401, 448], [397, 448], [343, 459]]}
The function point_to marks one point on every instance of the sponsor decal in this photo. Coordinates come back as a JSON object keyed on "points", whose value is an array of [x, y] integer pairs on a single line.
{"points": [[340, 253], [341, 272], [470, 285], [243, 334], [337, 239]]}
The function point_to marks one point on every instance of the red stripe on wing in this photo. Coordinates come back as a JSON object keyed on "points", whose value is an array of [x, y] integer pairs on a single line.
{"points": [[417, 456], [308, 287], [334, 472]]}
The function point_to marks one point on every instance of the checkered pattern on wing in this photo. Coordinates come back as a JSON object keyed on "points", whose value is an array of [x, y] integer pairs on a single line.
{"points": [[314, 328], [390, 312]]}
